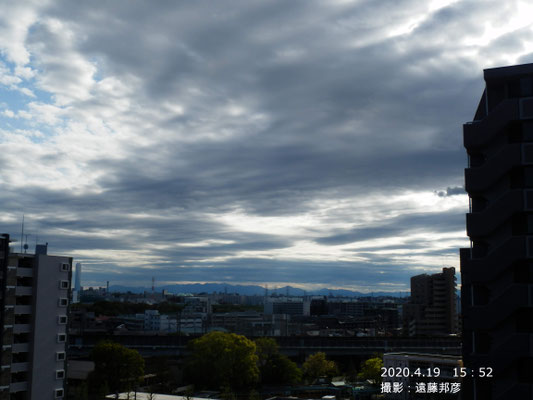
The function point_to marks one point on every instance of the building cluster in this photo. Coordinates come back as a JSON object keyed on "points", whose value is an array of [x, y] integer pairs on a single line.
{"points": [[430, 311], [280, 316]]}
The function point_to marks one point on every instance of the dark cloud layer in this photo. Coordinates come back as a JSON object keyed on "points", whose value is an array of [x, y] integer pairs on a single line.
{"points": [[250, 142]]}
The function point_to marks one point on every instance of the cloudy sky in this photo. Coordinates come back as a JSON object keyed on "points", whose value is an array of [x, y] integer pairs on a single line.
{"points": [[311, 143]]}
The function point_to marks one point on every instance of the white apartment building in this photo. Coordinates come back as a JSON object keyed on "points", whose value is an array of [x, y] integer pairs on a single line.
{"points": [[35, 295]]}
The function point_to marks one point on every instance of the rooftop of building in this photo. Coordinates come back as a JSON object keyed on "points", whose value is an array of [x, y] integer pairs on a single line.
{"points": [[508, 72]]}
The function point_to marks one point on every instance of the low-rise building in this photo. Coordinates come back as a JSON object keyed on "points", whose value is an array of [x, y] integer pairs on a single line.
{"points": [[287, 305]]}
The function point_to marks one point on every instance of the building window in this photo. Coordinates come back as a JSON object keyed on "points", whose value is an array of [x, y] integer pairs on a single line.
{"points": [[60, 356], [58, 393], [62, 319], [64, 267], [63, 302], [60, 374], [61, 338], [64, 284]]}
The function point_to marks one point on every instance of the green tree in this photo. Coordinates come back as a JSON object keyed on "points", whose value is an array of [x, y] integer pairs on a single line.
{"points": [[221, 359], [80, 392], [265, 348], [116, 367], [371, 370], [351, 372], [275, 368], [254, 395], [227, 393], [316, 365]]}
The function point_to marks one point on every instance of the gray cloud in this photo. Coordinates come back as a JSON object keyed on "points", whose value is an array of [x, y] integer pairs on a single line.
{"points": [[178, 117], [399, 226], [451, 191]]}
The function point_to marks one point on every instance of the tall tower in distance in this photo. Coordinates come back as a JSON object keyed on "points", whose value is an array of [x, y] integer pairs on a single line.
{"points": [[76, 293], [497, 269], [77, 282]]}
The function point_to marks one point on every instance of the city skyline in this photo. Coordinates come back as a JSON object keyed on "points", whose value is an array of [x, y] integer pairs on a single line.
{"points": [[311, 144]]}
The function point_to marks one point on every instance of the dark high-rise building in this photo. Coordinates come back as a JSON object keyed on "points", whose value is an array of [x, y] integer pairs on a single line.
{"points": [[432, 310], [497, 269]]}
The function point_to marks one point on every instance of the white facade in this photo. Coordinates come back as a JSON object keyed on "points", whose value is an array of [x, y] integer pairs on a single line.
{"points": [[190, 324], [153, 321]]}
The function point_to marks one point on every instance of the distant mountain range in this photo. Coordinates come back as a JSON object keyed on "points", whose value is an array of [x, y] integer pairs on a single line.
{"points": [[251, 290]]}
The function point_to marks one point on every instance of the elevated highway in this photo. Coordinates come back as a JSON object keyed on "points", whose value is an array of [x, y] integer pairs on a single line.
{"points": [[293, 346]]}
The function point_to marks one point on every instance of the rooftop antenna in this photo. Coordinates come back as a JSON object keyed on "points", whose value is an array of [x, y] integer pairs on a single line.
{"points": [[153, 285]]}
